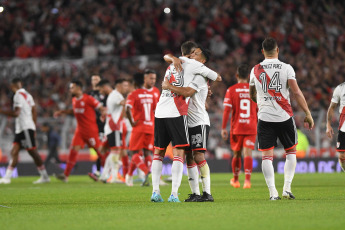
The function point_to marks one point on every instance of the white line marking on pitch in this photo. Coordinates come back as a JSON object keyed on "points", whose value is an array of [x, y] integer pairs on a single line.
{"points": [[3, 206]]}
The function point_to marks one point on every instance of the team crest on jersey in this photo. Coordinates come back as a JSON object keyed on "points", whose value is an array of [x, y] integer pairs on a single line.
{"points": [[82, 103], [338, 144]]}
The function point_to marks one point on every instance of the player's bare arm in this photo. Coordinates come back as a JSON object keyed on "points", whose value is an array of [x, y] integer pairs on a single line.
{"points": [[171, 59], [183, 91], [330, 114], [64, 111], [308, 120], [252, 93], [11, 113], [34, 114], [130, 116]]}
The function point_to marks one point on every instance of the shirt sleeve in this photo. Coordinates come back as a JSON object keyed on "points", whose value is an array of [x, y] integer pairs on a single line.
{"points": [[198, 83], [336, 95], [18, 101], [290, 73], [252, 78], [93, 102], [205, 72], [130, 100], [31, 101], [227, 99]]}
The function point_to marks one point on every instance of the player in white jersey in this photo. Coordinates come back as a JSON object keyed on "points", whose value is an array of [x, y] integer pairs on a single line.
{"points": [[338, 99], [171, 124], [24, 111], [269, 87], [198, 127], [113, 125]]}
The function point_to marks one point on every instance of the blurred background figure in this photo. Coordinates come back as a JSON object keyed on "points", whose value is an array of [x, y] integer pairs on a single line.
{"points": [[53, 143]]}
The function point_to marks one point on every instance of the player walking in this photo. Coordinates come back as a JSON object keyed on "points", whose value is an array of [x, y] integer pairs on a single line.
{"points": [[140, 107], [24, 111], [86, 130], [338, 99], [198, 125], [113, 128], [270, 81], [243, 125]]}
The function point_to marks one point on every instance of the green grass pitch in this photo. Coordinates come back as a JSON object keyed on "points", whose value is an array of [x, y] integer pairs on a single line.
{"points": [[83, 204]]}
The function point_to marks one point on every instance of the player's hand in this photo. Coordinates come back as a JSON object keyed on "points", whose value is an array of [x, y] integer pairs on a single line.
{"points": [[165, 84], [57, 113], [177, 64], [308, 121], [224, 134], [209, 93], [329, 131]]}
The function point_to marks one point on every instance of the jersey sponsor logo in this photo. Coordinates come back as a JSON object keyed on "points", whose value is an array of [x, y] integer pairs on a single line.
{"points": [[242, 90], [274, 98], [145, 95], [79, 110], [244, 95]]}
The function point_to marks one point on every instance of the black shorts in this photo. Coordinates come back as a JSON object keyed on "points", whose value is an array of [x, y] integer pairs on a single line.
{"points": [[341, 142], [268, 132], [174, 130], [26, 139], [198, 137], [115, 139]]}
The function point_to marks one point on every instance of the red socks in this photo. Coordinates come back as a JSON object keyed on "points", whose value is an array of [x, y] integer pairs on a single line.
{"points": [[137, 162], [248, 167], [125, 163], [72, 159], [236, 167]]}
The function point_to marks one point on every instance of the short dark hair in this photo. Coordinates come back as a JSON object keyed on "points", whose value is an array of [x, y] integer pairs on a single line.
{"points": [[77, 83], [242, 71], [206, 53], [149, 71], [120, 80], [138, 79], [186, 47], [269, 44], [16, 80], [103, 82]]}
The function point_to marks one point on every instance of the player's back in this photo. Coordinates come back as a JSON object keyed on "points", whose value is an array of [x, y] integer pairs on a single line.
{"points": [[83, 109], [143, 104], [24, 100], [244, 110], [270, 78]]}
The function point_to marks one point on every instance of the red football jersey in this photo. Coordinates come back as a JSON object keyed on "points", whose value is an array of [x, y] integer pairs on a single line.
{"points": [[84, 112], [243, 110], [156, 92], [143, 104]]}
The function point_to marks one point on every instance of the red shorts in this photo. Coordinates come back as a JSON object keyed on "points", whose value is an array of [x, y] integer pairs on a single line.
{"points": [[90, 138], [237, 142], [140, 140]]}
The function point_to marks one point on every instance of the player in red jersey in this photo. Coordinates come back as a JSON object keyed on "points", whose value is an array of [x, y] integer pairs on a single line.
{"points": [[243, 125], [140, 107], [87, 130]]}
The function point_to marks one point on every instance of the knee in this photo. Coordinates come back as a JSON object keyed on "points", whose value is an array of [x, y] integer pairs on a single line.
{"points": [[199, 157]]}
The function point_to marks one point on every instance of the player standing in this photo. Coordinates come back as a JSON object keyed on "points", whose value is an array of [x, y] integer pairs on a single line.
{"points": [[270, 81], [243, 125], [198, 124], [113, 128], [95, 79], [338, 99], [140, 107], [24, 111], [86, 130]]}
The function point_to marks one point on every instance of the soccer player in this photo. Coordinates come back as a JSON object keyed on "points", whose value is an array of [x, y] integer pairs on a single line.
{"points": [[24, 112], [243, 125], [270, 81], [171, 123], [53, 143], [338, 99], [113, 125], [95, 79], [86, 130], [140, 107], [198, 125]]}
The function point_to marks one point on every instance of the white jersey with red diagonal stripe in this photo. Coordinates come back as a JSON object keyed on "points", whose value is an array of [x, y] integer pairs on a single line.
{"points": [[113, 120], [25, 102], [270, 78], [339, 98], [171, 104]]}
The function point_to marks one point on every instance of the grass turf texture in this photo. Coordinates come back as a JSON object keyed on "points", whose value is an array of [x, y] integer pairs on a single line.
{"points": [[83, 204]]}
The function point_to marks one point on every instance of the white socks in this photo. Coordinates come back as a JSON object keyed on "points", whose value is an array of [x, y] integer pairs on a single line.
{"points": [[156, 170], [176, 172], [268, 171], [205, 176], [289, 170], [43, 172], [9, 171], [193, 178]]}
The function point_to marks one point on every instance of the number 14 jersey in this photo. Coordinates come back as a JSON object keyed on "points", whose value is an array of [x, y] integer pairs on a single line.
{"points": [[270, 78], [243, 110]]}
